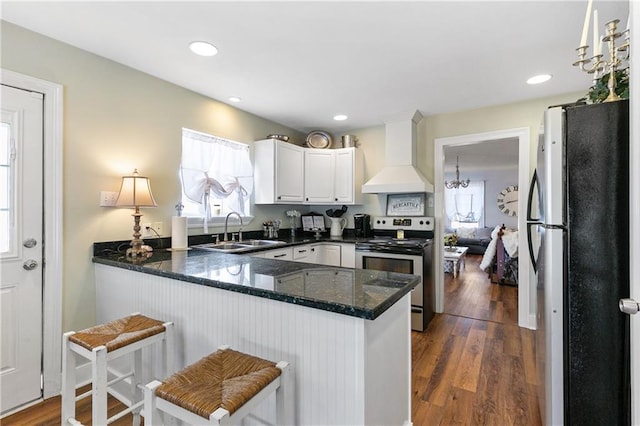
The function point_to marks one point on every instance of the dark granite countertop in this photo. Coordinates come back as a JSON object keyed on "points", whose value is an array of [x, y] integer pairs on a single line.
{"points": [[355, 292], [101, 248]]}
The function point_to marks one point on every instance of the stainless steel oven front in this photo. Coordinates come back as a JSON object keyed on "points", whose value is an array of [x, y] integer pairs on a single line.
{"points": [[421, 300]]}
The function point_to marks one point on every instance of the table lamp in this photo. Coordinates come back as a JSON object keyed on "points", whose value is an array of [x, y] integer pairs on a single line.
{"points": [[135, 192]]}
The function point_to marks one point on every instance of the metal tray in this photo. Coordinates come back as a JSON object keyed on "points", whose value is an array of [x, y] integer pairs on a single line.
{"points": [[319, 139]]}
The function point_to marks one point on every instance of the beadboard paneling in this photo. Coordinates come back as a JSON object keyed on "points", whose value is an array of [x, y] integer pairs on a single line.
{"points": [[344, 367]]}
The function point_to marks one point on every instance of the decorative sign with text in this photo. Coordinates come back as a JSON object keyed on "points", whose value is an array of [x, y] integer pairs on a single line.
{"points": [[405, 204]]}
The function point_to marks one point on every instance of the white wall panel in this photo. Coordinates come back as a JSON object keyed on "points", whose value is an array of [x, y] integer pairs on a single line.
{"points": [[327, 350]]}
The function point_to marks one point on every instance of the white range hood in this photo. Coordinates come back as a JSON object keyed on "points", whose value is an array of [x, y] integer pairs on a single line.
{"points": [[399, 175]]}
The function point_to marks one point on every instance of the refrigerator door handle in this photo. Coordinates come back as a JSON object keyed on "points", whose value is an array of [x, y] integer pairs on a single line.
{"points": [[530, 244], [629, 306], [532, 187], [532, 221]]}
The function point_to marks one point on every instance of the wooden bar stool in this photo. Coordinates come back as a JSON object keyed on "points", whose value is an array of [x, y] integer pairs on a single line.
{"points": [[221, 389], [101, 344]]}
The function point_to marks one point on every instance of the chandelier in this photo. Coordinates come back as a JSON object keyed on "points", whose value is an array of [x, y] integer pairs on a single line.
{"points": [[457, 183]]}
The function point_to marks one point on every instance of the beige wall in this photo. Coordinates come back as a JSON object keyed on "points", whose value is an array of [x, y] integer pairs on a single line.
{"points": [[117, 119], [510, 116]]}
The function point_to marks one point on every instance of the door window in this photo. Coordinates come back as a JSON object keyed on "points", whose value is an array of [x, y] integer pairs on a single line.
{"points": [[7, 214]]}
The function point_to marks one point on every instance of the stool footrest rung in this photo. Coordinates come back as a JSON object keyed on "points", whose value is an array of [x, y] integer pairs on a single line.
{"points": [[109, 384], [125, 412], [83, 395]]}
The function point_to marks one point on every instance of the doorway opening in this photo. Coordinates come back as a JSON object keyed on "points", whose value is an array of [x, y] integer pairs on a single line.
{"points": [[475, 176], [449, 147]]}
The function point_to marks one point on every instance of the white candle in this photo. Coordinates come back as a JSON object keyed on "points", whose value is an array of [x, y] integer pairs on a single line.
{"points": [[596, 35], [585, 27], [599, 52]]}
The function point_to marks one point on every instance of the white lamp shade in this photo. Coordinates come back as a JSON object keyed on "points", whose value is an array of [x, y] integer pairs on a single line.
{"points": [[135, 192]]}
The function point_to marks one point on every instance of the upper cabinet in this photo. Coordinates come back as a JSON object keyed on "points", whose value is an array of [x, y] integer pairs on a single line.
{"points": [[349, 176], [319, 169], [278, 172], [288, 174]]}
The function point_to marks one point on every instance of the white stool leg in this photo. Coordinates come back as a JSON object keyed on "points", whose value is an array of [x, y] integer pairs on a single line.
{"points": [[151, 414], [285, 396], [136, 380], [168, 349], [99, 383], [219, 417], [68, 406]]}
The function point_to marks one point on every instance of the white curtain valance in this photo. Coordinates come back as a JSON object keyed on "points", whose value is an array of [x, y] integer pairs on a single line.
{"points": [[214, 168]]}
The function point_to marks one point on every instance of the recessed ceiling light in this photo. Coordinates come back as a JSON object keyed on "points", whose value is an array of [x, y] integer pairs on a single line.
{"points": [[235, 99], [340, 117], [203, 48], [537, 79]]}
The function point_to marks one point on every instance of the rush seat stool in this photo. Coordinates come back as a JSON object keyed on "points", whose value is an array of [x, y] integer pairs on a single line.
{"points": [[221, 389], [106, 342]]}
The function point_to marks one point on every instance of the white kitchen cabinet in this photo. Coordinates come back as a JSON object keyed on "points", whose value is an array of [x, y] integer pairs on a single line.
{"points": [[329, 254], [333, 176], [315, 253], [279, 254], [303, 253], [348, 176], [278, 172], [348, 255], [342, 254], [289, 174], [319, 172]]}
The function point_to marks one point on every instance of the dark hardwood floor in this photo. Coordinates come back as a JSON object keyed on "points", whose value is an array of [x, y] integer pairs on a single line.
{"points": [[473, 295], [47, 413], [472, 366]]}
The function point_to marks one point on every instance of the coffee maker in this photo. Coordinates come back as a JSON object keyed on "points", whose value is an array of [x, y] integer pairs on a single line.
{"points": [[362, 225]]}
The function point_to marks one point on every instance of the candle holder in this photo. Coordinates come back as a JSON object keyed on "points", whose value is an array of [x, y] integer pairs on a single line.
{"points": [[599, 66]]}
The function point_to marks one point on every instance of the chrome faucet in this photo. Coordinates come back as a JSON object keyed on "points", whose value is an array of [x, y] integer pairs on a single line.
{"points": [[226, 221]]}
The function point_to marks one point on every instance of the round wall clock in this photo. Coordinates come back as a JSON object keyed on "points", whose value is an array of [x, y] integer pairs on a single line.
{"points": [[508, 200]]}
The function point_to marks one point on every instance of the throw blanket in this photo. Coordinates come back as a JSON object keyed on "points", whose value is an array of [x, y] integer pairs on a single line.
{"points": [[509, 240]]}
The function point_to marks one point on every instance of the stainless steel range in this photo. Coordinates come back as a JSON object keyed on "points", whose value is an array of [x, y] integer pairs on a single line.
{"points": [[403, 244]]}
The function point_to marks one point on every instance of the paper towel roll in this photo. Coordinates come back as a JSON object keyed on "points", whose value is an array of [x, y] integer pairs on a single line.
{"points": [[178, 232]]}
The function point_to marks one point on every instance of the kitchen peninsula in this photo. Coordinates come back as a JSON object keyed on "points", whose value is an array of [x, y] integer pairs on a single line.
{"points": [[345, 331]]}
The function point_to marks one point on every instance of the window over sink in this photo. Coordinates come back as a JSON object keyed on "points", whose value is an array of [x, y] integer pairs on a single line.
{"points": [[216, 176]]}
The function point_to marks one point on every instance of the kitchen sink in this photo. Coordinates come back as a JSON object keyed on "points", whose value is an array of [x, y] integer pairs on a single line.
{"points": [[237, 246], [261, 242], [228, 247]]}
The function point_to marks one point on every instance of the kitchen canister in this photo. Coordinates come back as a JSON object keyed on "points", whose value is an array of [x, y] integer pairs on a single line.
{"points": [[349, 141]]}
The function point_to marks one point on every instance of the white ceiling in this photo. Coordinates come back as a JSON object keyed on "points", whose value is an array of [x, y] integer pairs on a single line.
{"points": [[299, 63]]}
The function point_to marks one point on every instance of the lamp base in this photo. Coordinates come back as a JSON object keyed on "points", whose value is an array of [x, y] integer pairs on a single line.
{"points": [[137, 244], [142, 251]]}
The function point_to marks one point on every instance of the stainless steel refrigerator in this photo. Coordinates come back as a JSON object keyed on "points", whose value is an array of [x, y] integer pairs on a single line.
{"points": [[582, 264]]}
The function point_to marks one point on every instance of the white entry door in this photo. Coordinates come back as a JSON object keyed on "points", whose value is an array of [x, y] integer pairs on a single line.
{"points": [[21, 247]]}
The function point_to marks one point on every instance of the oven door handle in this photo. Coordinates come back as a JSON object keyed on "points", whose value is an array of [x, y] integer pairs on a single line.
{"points": [[416, 310]]}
